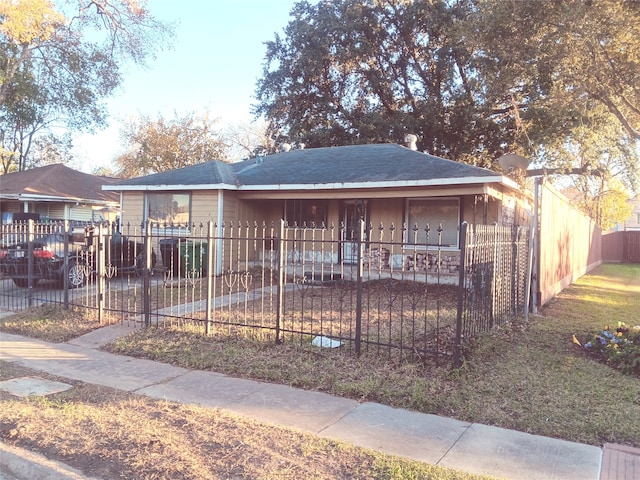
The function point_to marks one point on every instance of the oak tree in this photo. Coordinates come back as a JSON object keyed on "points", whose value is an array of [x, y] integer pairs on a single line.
{"points": [[349, 72], [473, 79], [470, 77]]}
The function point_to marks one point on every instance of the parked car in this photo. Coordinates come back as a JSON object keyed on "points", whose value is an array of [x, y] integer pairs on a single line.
{"points": [[123, 256]]}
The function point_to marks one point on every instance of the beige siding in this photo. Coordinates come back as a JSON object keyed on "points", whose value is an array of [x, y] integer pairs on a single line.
{"points": [[204, 206], [57, 211], [333, 213], [386, 212], [10, 206], [84, 214], [231, 207], [132, 208]]}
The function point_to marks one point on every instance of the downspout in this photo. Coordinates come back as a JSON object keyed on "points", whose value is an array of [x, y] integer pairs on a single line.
{"points": [[219, 242], [120, 213], [485, 208]]}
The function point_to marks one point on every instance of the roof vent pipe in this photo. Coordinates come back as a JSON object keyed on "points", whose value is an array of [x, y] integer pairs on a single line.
{"points": [[410, 139]]}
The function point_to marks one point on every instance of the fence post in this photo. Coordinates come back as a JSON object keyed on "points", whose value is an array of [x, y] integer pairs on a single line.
{"points": [[535, 251], [30, 262], [281, 278], [68, 232], [146, 270], [457, 348], [100, 265], [515, 270], [527, 288], [210, 273], [496, 277], [359, 274]]}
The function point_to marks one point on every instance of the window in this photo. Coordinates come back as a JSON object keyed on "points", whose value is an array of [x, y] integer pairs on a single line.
{"points": [[169, 208], [307, 212], [445, 211]]}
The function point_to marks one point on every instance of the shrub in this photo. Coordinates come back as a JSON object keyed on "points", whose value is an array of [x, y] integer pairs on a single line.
{"points": [[618, 347]]}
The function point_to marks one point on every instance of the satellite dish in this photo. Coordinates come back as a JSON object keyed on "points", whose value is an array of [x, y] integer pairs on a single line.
{"points": [[511, 161]]}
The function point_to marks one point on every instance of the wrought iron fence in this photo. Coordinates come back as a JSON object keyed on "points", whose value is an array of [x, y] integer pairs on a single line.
{"points": [[374, 290], [494, 284]]}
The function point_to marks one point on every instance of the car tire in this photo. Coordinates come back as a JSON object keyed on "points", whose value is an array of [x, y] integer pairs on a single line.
{"points": [[77, 275], [24, 282]]}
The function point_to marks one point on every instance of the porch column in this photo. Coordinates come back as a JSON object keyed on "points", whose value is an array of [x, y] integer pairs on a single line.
{"points": [[219, 240]]}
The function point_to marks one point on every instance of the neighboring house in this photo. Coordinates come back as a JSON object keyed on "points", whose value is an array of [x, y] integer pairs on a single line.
{"points": [[382, 184], [633, 222], [56, 192]]}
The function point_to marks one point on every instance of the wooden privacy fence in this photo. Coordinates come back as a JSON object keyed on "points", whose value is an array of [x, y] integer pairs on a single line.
{"points": [[623, 247], [376, 291], [570, 243]]}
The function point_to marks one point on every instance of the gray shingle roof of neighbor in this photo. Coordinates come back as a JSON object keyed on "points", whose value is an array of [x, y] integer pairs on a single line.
{"points": [[331, 166]]}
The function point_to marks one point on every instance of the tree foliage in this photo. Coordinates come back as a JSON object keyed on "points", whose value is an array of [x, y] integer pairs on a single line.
{"points": [[159, 144], [566, 72], [473, 79], [60, 60], [555, 68], [351, 72]]}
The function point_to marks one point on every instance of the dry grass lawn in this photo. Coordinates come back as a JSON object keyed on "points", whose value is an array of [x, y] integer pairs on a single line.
{"points": [[111, 434], [529, 377]]}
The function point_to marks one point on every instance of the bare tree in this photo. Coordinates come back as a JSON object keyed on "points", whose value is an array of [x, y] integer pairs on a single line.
{"points": [[160, 144]]}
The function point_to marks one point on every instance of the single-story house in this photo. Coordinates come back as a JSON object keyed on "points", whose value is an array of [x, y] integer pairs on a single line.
{"points": [[56, 192], [383, 184], [633, 222]]}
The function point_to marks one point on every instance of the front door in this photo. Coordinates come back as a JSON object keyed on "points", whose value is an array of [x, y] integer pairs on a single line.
{"points": [[354, 210]]}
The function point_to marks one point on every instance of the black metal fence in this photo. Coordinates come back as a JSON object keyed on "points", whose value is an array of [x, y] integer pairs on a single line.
{"points": [[374, 290]]}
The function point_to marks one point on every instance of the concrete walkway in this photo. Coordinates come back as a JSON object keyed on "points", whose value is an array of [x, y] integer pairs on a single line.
{"points": [[470, 447]]}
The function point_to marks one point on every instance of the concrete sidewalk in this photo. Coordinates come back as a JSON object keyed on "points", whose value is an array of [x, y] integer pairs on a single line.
{"points": [[427, 438]]}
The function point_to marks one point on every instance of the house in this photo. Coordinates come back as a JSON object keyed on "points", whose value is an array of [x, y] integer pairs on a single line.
{"points": [[633, 222], [383, 184], [56, 192]]}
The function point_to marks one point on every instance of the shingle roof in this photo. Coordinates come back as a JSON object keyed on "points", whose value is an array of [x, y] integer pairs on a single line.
{"points": [[352, 164], [355, 164], [58, 181], [214, 172]]}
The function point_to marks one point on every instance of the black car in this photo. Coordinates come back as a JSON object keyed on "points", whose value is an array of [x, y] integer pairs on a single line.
{"points": [[123, 256]]}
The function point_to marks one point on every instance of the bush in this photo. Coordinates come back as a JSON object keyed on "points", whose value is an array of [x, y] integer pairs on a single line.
{"points": [[619, 348]]}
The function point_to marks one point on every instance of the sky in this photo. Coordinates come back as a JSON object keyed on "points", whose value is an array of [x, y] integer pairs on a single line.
{"points": [[215, 61]]}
